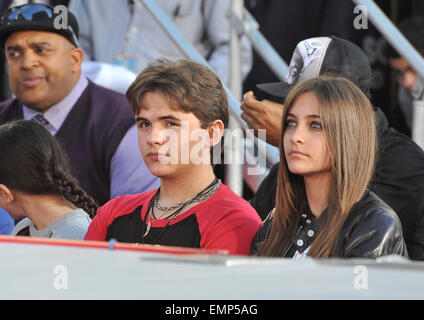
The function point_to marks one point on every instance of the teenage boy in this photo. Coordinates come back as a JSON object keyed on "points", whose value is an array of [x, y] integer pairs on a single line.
{"points": [[181, 111]]}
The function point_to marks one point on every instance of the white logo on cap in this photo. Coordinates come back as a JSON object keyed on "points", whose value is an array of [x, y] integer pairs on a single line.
{"points": [[309, 49], [306, 52]]}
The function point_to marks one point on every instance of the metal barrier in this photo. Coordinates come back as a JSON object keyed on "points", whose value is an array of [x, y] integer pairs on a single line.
{"points": [[234, 172], [243, 23], [248, 26], [406, 50]]}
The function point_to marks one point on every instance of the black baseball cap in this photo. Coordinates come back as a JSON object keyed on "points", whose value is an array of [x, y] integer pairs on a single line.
{"points": [[324, 55], [34, 16]]}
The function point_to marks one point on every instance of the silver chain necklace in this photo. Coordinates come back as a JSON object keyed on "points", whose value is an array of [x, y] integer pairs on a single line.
{"points": [[198, 197], [206, 193]]}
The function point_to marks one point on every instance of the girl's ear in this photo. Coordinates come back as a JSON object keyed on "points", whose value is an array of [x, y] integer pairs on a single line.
{"points": [[6, 195], [216, 131]]}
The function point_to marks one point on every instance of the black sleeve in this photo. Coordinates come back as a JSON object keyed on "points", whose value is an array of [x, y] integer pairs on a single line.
{"points": [[264, 199], [376, 234], [261, 235], [399, 181]]}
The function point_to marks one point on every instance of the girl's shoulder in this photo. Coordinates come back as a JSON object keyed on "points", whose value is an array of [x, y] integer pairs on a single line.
{"points": [[372, 229], [372, 208]]}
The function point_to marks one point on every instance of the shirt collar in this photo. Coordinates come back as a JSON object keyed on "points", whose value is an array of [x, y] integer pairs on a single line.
{"points": [[57, 114]]}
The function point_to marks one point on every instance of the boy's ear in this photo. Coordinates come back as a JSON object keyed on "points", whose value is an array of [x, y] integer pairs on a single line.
{"points": [[6, 195], [216, 130]]}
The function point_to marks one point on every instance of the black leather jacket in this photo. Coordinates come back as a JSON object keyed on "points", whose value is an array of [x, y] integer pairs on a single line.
{"points": [[372, 229]]}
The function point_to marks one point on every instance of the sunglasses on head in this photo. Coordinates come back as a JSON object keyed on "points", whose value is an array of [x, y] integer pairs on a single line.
{"points": [[29, 12], [32, 12]]}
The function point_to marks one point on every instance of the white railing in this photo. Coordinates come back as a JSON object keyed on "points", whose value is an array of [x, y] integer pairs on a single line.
{"points": [[406, 50], [242, 23]]}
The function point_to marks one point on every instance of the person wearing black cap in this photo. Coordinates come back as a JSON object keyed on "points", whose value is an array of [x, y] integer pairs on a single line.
{"points": [[4, 88], [399, 175], [323, 206], [94, 125]]}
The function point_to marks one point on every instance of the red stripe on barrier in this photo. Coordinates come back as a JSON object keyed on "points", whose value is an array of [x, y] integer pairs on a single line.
{"points": [[108, 245]]}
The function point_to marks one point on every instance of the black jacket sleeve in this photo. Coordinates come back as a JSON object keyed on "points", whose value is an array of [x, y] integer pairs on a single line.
{"points": [[262, 233], [371, 230], [264, 199], [399, 181]]}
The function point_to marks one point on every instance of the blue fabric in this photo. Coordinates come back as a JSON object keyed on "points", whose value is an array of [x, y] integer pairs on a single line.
{"points": [[6, 222]]}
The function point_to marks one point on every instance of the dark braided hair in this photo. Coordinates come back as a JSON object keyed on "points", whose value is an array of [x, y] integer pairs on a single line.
{"points": [[69, 188], [31, 161]]}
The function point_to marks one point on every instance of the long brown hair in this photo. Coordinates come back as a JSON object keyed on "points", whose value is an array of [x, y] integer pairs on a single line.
{"points": [[350, 132]]}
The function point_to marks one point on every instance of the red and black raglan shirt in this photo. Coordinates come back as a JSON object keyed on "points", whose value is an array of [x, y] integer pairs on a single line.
{"points": [[225, 221]]}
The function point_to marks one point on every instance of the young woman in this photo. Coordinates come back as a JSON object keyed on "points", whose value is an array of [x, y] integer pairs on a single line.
{"points": [[181, 111], [327, 152], [35, 184]]}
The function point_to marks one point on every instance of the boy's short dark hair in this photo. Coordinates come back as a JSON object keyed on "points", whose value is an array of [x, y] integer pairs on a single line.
{"points": [[190, 85]]}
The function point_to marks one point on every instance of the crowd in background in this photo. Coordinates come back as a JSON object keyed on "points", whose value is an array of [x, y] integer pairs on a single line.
{"points": [[121, 35]]}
